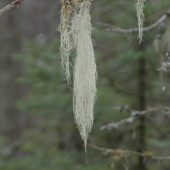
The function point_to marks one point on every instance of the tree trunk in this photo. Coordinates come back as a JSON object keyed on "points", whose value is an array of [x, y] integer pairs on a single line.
{"points": [[142, 73]]}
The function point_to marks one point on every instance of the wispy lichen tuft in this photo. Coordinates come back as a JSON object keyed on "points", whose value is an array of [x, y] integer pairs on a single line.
{"points": [[66, 42]]}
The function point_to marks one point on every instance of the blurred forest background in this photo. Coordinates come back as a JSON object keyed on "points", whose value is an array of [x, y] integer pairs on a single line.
{"points": [[37, 129]]}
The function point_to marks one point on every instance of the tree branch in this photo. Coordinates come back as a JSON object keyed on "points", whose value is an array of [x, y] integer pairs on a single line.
{"points": [[10, 6], [129, 153], [134, 116], [133, 30]]}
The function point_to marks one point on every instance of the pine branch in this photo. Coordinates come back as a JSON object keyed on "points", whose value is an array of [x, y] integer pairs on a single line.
{"points": [[10, 6]]}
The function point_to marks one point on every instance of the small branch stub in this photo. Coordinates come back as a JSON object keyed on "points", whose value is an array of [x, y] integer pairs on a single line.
{"points": [[17, 2]]}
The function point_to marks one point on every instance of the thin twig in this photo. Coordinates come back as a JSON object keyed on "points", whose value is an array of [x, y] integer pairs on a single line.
{"points": [[10, 6]]}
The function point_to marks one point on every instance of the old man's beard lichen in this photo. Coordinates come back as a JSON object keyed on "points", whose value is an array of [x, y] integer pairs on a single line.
{"points": [[84, 90]]}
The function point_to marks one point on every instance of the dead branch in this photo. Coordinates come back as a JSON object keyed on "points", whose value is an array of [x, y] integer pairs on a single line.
{"points": [[10, 6]]}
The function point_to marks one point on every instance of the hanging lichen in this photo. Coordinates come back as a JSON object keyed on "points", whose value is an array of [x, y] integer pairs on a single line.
{"points": [[78, 37], [141, 17], [84, 70], [66, 43]]}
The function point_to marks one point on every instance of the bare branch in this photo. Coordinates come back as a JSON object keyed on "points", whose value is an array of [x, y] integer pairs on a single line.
{"points": [[133, 30], [129, 153], [134, 116], [10, 6]]}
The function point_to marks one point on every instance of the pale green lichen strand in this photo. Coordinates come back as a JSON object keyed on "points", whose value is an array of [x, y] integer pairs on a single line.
{"points": [[141, 17], [66, 44], [84, 70]]}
